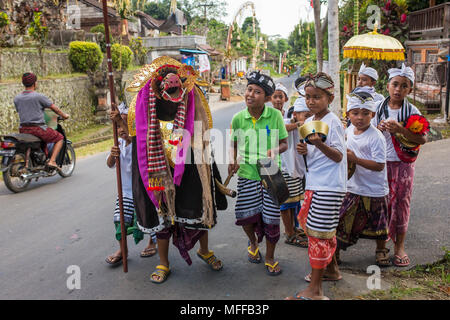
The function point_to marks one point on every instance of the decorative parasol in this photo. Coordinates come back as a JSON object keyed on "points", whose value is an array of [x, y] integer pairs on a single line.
{"points": [[374, 46]]}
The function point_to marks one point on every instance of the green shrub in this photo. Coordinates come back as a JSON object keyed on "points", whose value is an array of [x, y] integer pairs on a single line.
{"points": [[85, 56], [140, 52], [118, 51], [100, 28], [4, 20]]}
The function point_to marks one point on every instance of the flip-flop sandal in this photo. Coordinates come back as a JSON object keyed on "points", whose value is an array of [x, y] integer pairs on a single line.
{"points": [[210, 259], [301, 233], [268, 265], [54, 167], [324, 278], [297, 297], [401, 261], [296, 241], [114, 260], [148, 252], [161, 271], [254, 254]]}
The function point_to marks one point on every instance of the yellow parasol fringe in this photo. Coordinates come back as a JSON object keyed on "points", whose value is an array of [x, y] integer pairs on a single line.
{"points": [[361, 53]]}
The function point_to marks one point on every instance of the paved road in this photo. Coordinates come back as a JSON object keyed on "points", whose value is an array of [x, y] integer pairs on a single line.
{"points": [[62, 222]]}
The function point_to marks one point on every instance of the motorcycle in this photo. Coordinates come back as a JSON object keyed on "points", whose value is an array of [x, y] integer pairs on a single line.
{"points": [[25, 158]]}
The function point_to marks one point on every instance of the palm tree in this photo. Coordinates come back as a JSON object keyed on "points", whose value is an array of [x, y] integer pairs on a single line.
{"points": [[318, 34], [333, 53]]}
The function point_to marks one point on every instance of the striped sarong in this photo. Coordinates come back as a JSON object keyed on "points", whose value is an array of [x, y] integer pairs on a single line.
{"points": [[253, 199], [128, 211], [296, 189], [320, 214]]}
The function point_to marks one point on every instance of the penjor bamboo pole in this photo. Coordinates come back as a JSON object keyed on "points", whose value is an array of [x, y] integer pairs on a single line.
{"points": [[123, 242]]}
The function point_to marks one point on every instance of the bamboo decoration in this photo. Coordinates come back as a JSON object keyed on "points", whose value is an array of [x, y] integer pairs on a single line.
{"points": [[123, 242]]}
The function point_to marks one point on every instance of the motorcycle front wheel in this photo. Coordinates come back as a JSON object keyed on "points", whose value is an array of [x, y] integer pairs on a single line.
{"points": [[68, 165], [12, 177]]}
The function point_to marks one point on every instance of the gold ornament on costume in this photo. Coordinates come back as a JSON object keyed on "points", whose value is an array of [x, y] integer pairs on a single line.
{"points": [[153, 71]]}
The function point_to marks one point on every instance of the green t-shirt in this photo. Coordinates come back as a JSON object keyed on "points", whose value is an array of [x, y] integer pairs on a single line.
{"points": [[256, 137]]}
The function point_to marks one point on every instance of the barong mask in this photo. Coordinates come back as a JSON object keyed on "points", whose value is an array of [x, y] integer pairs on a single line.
{"points": [[166, 92]]}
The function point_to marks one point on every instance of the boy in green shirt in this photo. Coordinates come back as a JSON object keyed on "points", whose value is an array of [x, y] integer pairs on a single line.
{"points": [[257, 132]]}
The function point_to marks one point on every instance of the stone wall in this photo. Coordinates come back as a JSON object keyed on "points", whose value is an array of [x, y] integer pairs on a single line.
{"points": [[14, 63], [72, 91]]}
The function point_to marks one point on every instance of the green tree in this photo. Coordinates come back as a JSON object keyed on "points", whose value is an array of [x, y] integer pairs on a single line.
{"points": [[39, 32], [282, 46], [247, 27], [159, 10]]}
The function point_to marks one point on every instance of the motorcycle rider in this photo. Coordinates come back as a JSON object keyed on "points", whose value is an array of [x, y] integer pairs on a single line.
{"points": [[30, 105]]}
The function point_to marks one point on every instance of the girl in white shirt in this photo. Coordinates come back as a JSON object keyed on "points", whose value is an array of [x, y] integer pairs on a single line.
{"points": [[390, 117]]}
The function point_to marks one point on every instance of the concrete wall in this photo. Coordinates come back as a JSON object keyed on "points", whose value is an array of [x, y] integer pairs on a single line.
{"points": [[14, 63], [72, 91], [174, 42]]}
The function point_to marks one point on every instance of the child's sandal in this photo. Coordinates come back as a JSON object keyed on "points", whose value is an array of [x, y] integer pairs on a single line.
{"points": [[211, 260], [162, 272]]}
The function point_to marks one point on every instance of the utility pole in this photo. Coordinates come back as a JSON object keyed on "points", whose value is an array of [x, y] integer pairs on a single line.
{"points": [[205, 8]]}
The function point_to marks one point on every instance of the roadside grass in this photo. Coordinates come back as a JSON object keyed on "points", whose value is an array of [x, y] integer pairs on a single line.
{"points": [[51, 76], [90, 132], [92, 149], [426, 282]]}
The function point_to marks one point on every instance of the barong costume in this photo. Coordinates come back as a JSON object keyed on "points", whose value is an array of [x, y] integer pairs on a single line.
{"points": [[254, 205], [364, 210], [400, 164], [173, 183]]}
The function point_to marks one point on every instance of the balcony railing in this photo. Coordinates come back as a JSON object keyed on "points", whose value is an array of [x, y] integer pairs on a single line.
{"points": [[430, 23]]}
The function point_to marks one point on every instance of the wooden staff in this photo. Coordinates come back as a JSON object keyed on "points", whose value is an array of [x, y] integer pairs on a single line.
{"points": [[123, 242]]}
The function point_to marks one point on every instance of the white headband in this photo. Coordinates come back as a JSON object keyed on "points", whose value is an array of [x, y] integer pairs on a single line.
{"points": [[123, 109], [369, 90], [355, 102], [405, 71], [371, 72], [300, 105], [280, 87]]}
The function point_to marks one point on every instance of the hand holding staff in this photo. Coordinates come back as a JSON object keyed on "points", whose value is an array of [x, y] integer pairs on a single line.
{"points": [[123, 242]]}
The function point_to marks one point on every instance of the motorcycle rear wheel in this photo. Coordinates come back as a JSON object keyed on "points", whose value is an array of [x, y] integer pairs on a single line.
{"points": [[68, 165], [12, 178]]}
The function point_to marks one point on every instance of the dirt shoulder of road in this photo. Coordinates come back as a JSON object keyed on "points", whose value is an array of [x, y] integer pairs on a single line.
{"points": [[424, 282]]}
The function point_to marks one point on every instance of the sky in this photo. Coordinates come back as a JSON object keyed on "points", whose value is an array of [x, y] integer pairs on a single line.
{"points": [[275, 16]]}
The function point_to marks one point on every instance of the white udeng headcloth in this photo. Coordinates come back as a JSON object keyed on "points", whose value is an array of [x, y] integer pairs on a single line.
{"points": [[280, 87], [300, 105], [405, 71], [371, 72], [355, 102], [123, 108]]}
